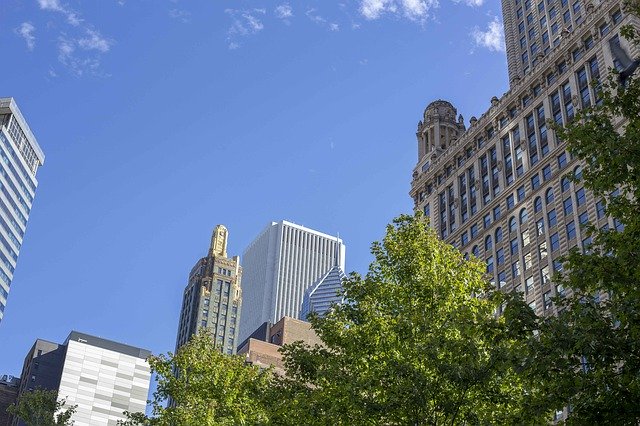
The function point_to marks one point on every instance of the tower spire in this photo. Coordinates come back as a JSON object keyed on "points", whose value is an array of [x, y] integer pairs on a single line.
{"points": [[219, 241]]}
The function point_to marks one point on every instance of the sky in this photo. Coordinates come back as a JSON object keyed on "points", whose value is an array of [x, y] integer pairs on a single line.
{"points": [[161, 118]]}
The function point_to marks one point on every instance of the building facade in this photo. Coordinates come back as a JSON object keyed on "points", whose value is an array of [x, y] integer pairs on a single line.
{"points": [[500, 190], [279, 266], [101, 377], [323, 294], [21, 157], [212, 299], [9, 386]]}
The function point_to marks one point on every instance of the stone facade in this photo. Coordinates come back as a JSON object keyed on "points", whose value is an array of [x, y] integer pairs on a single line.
{"points": [[213, 299], [500, 189]]}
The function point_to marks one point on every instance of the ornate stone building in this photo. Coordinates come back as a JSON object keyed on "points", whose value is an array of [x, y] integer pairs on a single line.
{"points": [[500, 190], [213, 298]]}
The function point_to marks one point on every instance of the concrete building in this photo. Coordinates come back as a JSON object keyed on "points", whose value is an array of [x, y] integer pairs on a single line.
{"points": [[21, 156], [9, 386], [103, 378], [500, 190], [279, 265], [323, 293], [212, 298], [261, 347]]}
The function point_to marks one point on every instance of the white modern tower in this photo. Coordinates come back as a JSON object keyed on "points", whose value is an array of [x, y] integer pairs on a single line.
{"points": [[21, 156], [279, 266]]}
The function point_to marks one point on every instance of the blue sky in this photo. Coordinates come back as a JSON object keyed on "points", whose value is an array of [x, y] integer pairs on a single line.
{"points": [[163, 118]]}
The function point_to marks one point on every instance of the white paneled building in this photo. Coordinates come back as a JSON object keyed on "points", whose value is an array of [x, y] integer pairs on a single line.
{"points": [[279, 266]]}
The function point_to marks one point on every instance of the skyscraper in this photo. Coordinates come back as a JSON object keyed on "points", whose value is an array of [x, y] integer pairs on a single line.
{"points": [[501, 189], [324, 293], [213, 298], [21, 157], [103, 378], [279, 265]]}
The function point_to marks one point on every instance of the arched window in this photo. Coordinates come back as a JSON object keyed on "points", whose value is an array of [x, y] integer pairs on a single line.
{"points": [[488, 243], [537, 205], [512, 224], [549, 195], [565, 184], [498, 235], [577, 173], [524, 217], [475, 251]]}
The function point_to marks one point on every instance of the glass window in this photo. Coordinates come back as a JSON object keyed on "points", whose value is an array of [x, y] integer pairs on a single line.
{"points": [[571, 230], [546, 298], [465, 238], [490, 265], [555, 242], [510, 202], [496, 213], [542, 250], [562, 160], [552, 219], [565, 183], [488, 243], [540, 227], [600, 209], [616, 17], [486, 220], [498, 235], [537, 205], [476, 251], [512, 224], [549, 196], [583, 218], [529, 289], [577, 173], [580, 197], [515, 269], [568, 206], [546, 172], [500, 256], [535, 182], [521, 193], [523, 216], [514, 246], [528, 261]]}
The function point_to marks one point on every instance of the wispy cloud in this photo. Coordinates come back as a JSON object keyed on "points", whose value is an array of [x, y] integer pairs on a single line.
{"points": [[471, 3], [180, 15], [72, 16], [94, 41], [284, 11], [313, 15], [415, 10], [492, 38], [26, 30], [244, 23]]}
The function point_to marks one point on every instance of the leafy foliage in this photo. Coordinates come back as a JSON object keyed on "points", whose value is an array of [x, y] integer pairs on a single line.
{"points": [[42, 408], [207, 387], [416, 343]]}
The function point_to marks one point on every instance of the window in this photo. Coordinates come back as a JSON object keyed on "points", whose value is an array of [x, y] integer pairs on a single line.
{"points": [[537, 205], [488, 243], [549, 196], [475, 251], [535, 182], [528, 261], [546, 300], [619, 226], [546, 172], [568, 206], [514, 246], [586, 244], [515, 269], [580, 197], [542, 250], [557, 265], [616, 17], [464, 238], [487, 220], [498, 235], [512, 224], [525, 238], [552, 219], [600, 209], [502, 278], [490, 265], [544, 273], [510, 202], [474, 230], [500, 256], [565, 183], [529, 288], [577, 173], [571, 230], [496, 213], [562, 160], [583, 218], [521, 193], [555, 242], [540, 227], [524, 217]]}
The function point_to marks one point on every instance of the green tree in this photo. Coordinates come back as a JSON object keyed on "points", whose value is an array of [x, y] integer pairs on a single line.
{"points": [[417, 342], [207, 387], [588, 356], [42, 408]]}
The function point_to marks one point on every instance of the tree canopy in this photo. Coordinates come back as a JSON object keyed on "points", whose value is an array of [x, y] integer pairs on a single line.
{"points": [[42, 408]]}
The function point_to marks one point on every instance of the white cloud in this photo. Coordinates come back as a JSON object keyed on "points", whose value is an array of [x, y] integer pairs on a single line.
{"points": [[244, 23], [318, 19], [284, 11], [94, 41], [415, 10], [26, 30], [492, 38], [181, 15], [72, 16], [471, 3]]}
